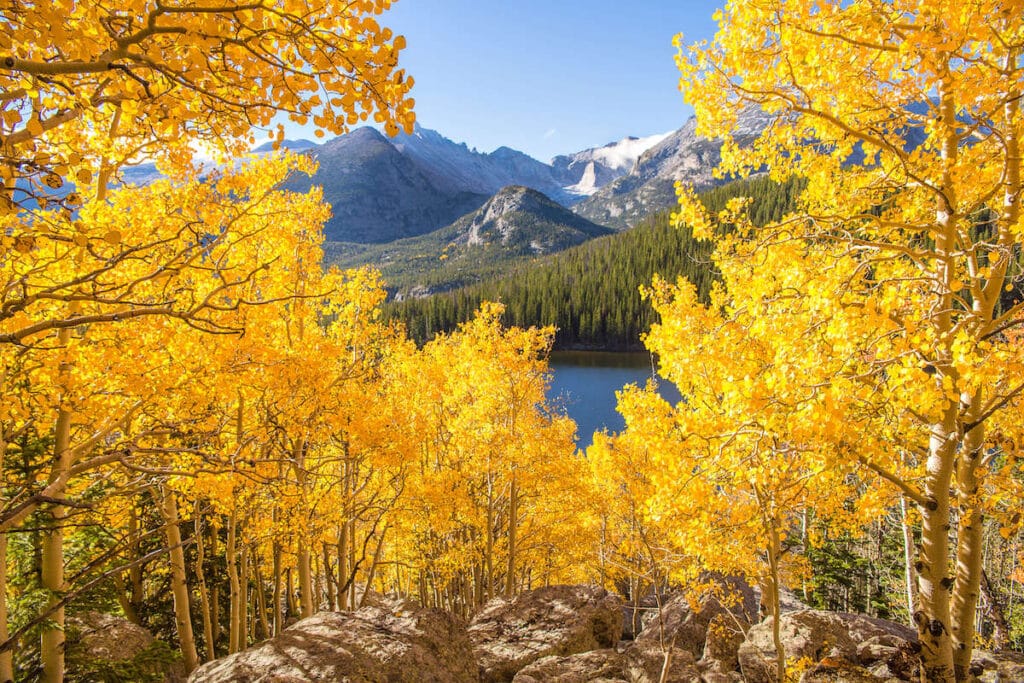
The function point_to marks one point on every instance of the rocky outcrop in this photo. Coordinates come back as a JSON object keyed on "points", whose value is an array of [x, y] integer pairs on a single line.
{"points": [[709, 626], [650, 185], [398, 643], [597, 666], [377, 194], [997, 667], [106, 647], [646, 660], [559, 621], [526, 221], [816, 635], [841, 671]]}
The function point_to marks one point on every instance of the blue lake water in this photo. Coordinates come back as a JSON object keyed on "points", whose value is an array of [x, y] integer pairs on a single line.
{"points": [[585, 382]]}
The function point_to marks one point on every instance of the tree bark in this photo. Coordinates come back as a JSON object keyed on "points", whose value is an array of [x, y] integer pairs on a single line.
{"points": [[234, 609], [52, 637], [133, 601], [342, 567], [278, 608], [513, 514], [935, 584], [261, 597], [967, 588], [303, 559], [908, 559], [243, 598], [290, 590], [6, 657], [489, 556], [774, 553], [371, 572], [179, 585], [332, 602], [204, 593], [1000, 629]]}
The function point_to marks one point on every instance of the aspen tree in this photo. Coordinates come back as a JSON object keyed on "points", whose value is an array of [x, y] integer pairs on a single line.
{"points": [[904, 119]]}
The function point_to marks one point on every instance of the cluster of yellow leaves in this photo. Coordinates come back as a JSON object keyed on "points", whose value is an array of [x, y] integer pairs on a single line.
{"points": [[86, 87], [487, 435], [865, 345]]}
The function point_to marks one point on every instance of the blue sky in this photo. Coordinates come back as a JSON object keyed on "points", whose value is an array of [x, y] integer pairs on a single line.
{"points": [[547, 76]]}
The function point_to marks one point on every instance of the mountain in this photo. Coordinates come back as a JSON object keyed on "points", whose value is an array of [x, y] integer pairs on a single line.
{"points": [[299, 145], [590, 292], [455, 167], [378, 194], [516, 224], [583, 173], [382, 190], [526, 222], [649, 186]]}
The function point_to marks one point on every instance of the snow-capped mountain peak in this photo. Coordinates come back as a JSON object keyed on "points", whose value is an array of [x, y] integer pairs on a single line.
{"points": [[623, 154], [583, 173]]}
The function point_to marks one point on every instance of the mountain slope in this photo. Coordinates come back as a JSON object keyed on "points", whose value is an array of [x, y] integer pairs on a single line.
{"points": [[649, 187], [590, 292], [454, 167], [583, 173], [517, 224], [379, 194]]}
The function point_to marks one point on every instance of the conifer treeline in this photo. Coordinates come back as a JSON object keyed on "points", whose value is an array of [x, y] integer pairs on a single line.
{"points": [[591, 292]]}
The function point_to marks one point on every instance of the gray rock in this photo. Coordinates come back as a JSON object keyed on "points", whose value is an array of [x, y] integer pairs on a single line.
{"points": [[638, 613], [604, 666], [646, 659], [107, 636], [556, 620], [719, 677], [399, 644], [728, 603], [997, 667], [100, 646], [788, 602], [650, 184], [841, 671], [815, 634], [725, 634]]}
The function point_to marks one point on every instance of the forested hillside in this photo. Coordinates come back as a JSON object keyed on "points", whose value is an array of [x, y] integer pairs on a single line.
{"points": [[591, 293]]}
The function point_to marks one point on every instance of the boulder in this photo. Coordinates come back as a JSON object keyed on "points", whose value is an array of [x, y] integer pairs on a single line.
{"points": [[507, 635], [596, 666], [638, 613], [106, 647], [994, 667], [816, 634], [646, 659], [788, 602], [711, 625], [841, 671], [720, 677], [397, 643], [725, 634]]}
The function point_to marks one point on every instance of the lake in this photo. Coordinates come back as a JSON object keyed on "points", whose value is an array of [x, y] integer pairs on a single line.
{"points": [[585, 382]]}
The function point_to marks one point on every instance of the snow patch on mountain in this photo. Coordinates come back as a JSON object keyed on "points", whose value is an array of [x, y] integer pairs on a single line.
{"points": [[584, 173], [623, 154]]}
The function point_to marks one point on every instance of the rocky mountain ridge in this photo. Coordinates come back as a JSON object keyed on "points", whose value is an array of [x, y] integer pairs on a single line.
{"points": [[384, 189], [649, 186], [517, 223]]}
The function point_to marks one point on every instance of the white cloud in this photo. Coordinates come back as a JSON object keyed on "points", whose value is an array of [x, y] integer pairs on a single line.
{"points": [[550, 134]]}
